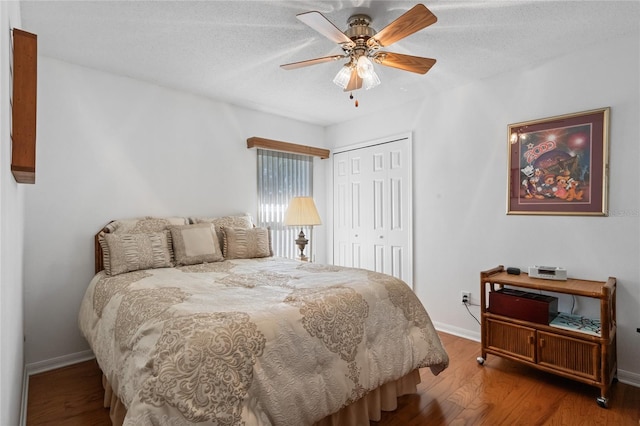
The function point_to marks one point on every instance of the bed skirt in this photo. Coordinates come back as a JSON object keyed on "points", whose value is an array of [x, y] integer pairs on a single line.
{"points": [[384, 398]]}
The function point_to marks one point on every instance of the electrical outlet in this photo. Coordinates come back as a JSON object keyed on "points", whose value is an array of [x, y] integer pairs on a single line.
{"points": [[465, 297]]}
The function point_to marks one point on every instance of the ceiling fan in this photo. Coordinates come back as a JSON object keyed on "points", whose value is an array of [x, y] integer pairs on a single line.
{"points": [[361, 45]]}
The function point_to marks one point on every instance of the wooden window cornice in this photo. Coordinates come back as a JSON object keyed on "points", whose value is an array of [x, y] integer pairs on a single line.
{"points": [[255, 142]]}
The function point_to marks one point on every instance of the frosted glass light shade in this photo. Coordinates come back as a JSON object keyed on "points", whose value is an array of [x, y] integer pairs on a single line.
{"points": [[370, 81], [342, 78], [364, 67], [302, 211]]}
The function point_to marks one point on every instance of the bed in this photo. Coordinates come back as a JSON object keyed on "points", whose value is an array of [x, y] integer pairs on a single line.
{"points": [[193, 321]]}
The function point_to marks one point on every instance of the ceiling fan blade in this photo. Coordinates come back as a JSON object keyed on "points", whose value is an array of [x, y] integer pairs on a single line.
{"points": [[295, 65], [405, 62], [355, 82], [415, 19], [318, 22]]}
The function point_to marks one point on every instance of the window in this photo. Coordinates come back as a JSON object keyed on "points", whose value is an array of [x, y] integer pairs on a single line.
{"points": [[282, 176]]}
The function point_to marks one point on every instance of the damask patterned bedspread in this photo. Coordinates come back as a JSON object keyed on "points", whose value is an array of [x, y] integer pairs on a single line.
{"points": [[257, 342]]}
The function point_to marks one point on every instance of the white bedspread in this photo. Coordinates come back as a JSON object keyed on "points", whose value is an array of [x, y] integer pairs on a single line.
{"points": [[256, 342]]}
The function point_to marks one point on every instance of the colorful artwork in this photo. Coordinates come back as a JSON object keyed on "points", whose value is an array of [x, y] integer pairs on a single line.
{"points": [[558, 165], [555, 165]]}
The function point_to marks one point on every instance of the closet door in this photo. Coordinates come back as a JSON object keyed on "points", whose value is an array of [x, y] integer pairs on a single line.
{"points": [[353, 199], [342, 221], [372, 208]]}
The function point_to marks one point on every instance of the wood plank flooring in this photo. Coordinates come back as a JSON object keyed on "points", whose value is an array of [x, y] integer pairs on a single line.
{"points": [[501, 392]]}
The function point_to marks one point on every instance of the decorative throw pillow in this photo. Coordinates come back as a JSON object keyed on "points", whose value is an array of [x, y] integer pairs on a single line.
{"points": [[240, 243], [195, 244], [140, 225], [239, 221], [132, 252]]}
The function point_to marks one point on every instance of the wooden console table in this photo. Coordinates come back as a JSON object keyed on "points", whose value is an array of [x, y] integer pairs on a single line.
{"points": [[573, 354]]}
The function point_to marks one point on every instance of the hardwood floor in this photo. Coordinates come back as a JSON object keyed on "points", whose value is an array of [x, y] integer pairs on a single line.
{"points": [[499, 393]]}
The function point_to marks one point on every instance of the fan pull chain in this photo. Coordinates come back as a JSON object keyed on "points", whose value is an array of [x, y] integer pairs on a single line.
{"points": [[351, 97]]}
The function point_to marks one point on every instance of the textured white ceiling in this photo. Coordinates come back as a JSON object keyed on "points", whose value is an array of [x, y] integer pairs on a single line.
{"points": [[231, 50]]}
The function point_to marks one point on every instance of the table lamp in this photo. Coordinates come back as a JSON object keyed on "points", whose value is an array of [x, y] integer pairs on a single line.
{"points": [[302, 212]]}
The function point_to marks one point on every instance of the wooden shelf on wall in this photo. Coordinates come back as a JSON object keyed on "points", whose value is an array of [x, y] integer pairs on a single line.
{"points": [[255, 142], [23, 106]]}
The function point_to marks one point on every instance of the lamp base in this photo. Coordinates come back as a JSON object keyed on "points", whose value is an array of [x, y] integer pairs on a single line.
{"points": [[301, 242]]}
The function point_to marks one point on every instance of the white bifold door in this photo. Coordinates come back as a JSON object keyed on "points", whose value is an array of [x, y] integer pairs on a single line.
{"points": [[372, 227]]}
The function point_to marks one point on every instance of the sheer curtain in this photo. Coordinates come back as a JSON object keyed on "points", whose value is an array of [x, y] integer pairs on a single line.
{"points": [[282, 176]]}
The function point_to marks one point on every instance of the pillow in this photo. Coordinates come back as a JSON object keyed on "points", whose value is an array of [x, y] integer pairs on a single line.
{"points": [[140, 225], [240, 243], [132, 252], [239, 221], [144, 224], [195, 244]]}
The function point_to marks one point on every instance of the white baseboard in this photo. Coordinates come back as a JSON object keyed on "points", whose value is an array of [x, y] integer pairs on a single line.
{"points": [[629, 378], [58, 362], [25, 394], [457, 331], [46, 365]]}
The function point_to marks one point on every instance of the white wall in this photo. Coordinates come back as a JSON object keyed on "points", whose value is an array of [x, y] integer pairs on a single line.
{"points": [[460, 172], [112, 147], [11, 239]]}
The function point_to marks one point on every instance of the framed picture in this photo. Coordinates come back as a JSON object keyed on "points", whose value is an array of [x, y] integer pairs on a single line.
{"points": [[559, 165]]}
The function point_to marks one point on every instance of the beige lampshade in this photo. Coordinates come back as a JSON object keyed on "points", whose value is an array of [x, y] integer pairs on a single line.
{"points": [[302, 211]]}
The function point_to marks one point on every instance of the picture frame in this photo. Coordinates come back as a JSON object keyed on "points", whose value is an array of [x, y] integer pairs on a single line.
{"points": [[559, 165]]}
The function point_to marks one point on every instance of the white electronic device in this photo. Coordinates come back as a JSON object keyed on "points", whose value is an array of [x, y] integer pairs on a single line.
{"points": [[548, 272]]}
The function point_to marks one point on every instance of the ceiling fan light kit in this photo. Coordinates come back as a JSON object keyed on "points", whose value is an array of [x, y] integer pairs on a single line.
{"points": [[361, 45]]}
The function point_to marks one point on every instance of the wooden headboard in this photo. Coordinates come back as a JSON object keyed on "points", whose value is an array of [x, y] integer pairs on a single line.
{"points": [[98, 249], [99, 266]]}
